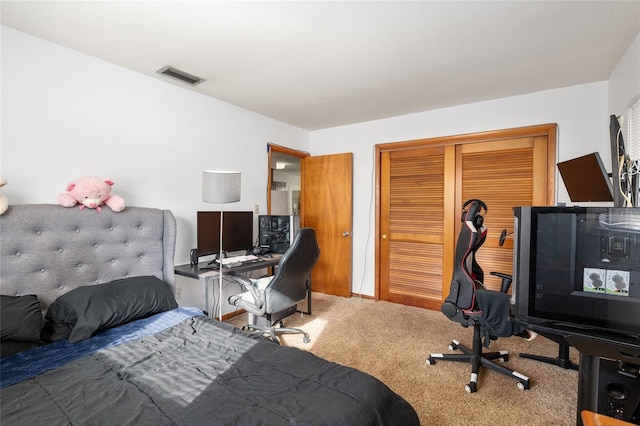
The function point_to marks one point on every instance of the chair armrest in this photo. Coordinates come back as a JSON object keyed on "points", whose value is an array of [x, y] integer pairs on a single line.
{"points": [[506, 281], [258, 307], [243, 281]]}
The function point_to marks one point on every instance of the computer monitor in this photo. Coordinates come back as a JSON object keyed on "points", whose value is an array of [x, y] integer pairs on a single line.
{"points": [[237, 231], [586, 179]]}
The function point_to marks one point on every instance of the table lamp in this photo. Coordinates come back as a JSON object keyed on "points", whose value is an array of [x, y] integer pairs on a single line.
{"points": [[220, 187]]}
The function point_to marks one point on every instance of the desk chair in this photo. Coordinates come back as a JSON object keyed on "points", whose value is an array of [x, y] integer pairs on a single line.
{"points": [[282, 291], [471, 305]]}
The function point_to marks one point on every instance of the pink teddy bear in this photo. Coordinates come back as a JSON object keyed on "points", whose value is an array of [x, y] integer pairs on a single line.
{"points": [[92, 192]]}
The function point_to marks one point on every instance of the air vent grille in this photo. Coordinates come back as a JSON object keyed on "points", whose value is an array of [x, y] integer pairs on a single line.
{"points": [[184, 77]]}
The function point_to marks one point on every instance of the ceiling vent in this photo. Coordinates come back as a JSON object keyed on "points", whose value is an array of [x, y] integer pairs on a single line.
{"points": [[184, 77]]}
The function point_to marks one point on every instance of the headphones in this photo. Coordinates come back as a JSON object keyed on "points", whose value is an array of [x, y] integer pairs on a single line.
{"points": [[474, 212]]}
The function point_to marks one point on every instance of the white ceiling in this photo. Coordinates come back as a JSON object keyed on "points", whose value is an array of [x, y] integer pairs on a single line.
{"points": [[319, 64]]}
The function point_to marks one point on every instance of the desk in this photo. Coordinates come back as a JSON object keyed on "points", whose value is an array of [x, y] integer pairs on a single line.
{"points": [[598, 368], [204, 274], [601, 379]]}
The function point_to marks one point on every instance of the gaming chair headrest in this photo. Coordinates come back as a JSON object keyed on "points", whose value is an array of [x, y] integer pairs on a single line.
{"points": [[474, 212]]}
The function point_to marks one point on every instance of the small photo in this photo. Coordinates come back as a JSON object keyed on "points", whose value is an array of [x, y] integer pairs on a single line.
{"points": [[594, 280], [618, 283]]}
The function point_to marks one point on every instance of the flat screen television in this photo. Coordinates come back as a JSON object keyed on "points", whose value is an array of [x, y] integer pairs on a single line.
{"points": [[578, 267], [237, 231]]}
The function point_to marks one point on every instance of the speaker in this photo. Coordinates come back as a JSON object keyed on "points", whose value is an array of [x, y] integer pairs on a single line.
{"points": [[193, 257], [619, 390]]}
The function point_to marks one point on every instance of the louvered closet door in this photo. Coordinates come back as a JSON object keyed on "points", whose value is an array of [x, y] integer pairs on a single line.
{"points": [[503, 174], [412, 243], [422, 186]]}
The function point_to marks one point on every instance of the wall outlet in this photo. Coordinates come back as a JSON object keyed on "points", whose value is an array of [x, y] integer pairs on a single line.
{"points": [[256, 209], [178, 293]]}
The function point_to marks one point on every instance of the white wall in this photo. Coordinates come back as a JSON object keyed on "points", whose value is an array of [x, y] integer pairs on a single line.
{"points": [[580, 112], [624, 84], [66, 114]]}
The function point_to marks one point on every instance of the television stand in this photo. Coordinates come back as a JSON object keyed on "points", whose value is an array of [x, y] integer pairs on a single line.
{"points": [[609, 381]]}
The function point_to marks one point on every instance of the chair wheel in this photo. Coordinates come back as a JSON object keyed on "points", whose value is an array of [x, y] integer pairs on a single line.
{"points": [[453, 347], [471, 388], [305, 339], [523, 385], [430, 361]]}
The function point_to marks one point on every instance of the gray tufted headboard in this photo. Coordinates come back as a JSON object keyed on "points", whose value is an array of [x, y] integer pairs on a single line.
{"points": [[47, 249]]}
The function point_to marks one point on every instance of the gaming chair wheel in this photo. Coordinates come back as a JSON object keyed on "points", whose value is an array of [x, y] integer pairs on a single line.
{"points": [[523, 385], [430, 361], [471, 387]]}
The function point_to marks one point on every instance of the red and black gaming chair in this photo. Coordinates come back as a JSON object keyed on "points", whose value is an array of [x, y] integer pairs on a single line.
{"points": [[467, 295]]}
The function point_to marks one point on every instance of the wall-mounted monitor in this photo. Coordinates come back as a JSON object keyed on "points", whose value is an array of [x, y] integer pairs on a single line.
{"points": [[586, 179], [237, 231]]}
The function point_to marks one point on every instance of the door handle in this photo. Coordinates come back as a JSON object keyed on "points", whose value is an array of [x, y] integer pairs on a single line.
{"points": [[345, 234]]}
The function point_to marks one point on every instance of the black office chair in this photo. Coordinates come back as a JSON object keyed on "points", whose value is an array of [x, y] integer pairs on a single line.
{"points": [[471, 305], [275, 296]]}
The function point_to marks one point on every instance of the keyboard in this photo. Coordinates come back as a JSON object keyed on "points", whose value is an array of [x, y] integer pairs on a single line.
{"points": [[233, 262], [247, 258]]}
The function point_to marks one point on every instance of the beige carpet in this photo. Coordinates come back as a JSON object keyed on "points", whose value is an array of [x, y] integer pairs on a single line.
{"points": [[391, 342]]}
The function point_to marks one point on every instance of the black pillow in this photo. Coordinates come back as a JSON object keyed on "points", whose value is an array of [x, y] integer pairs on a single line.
{"points": [[20, 318], [83, 311]]}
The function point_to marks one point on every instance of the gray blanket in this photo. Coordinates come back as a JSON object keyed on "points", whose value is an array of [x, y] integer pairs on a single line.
{"points": [[183, 377]]}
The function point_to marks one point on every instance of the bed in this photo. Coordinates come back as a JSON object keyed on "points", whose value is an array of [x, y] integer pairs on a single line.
{"points": [[91, 334]]}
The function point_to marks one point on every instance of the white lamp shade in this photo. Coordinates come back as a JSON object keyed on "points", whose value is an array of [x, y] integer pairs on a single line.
{"points": [[220, 186]]}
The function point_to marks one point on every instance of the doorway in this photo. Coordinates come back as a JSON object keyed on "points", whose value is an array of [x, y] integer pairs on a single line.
{"points": [[283, 181], [322, 180], [284, 188]]}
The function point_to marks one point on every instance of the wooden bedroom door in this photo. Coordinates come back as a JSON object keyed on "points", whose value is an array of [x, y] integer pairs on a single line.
{"points": [[422, 186], [327, 206]]}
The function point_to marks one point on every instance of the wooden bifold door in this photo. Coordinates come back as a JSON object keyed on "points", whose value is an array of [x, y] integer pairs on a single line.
{"points": [[422, 186]]}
